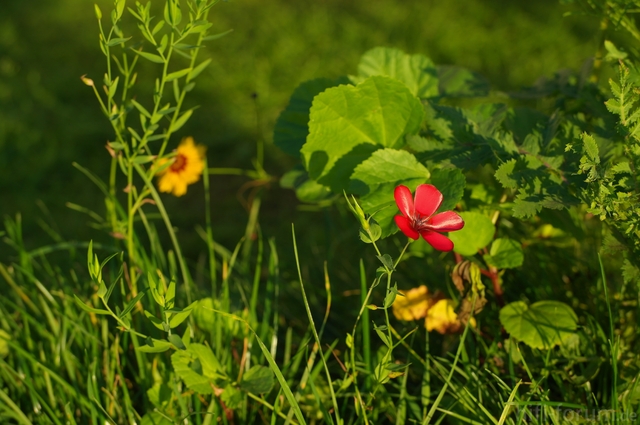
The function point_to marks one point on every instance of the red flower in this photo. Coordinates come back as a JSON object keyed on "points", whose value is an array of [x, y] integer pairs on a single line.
{"points": [[417, 217]]}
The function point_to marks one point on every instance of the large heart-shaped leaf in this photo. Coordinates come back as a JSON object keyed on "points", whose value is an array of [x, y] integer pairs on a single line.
{"points": [[417, 72], [541, 325], [291, 129], [347, 124]]}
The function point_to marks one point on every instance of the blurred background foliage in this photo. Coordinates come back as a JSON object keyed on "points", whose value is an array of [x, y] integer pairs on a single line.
{"points": [[49, 119]]}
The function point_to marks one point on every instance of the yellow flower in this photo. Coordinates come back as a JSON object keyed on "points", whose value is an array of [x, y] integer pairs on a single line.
{"points": [[443, 319], [186, 168], [413, 305]]}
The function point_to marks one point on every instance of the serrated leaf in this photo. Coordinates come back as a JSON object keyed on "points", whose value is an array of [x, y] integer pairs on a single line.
{"points": [[541, 325], [257, 380], [291, 129], [451, 182], [417, 72], [523, 208], [477, 233], [591, 148], [347, 124], [504, 174], [505, 253]]}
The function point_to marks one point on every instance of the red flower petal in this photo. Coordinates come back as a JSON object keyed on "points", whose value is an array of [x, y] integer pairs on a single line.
{"points": [[447, 221], [404, 200], [405, 226], [428, 199], [438, 241]]}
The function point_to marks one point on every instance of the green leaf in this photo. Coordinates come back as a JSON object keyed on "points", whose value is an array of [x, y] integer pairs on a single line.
{"points": [[155, 418], [154, 320], [150, 56], [170, 295], [177, 125], [504, 174], [417, 72], [131, 304], [217, 36], [311, 191], [291, 129], [386, 260], [451, 182], [591, 148], [143, 159], [613, 54], [189, 368], [477, 233], [116, 41], [88, 309], [391, 296], [347, 124], [456, 81], [177, 74], [177, 341], [232, 397], [198, 69], [257, 380], [376, 179], [381, 331], [505, 253], [155, 346], [541, 325], [179, 317], [210, 364], [141, 108], [387, 168], [374, 229]]}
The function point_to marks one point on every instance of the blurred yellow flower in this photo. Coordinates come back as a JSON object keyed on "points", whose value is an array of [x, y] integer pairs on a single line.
{"points": [[443, 319], [186, 168], [413, 305]]}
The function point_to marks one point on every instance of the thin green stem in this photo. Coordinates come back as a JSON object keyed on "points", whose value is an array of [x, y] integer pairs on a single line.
{"points": [[313, 328]]}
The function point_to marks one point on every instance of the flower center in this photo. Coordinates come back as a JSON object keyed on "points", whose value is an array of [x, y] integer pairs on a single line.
{"points": [[179, 164], [421, 223]]}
